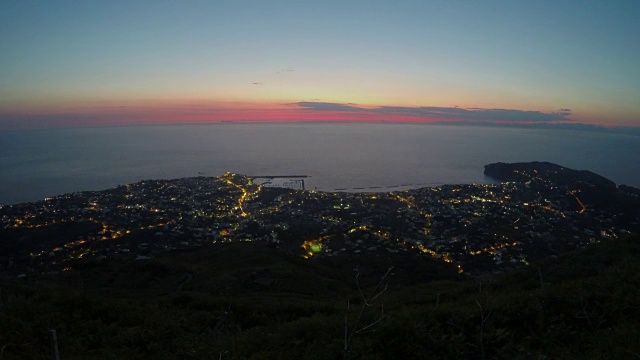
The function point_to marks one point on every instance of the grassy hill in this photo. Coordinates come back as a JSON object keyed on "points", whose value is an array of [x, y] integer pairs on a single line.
{"points": [[247, 301]]}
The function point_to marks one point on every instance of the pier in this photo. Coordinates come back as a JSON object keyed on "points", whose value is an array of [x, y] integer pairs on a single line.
{"points": [[277, 176], [295, 182]]}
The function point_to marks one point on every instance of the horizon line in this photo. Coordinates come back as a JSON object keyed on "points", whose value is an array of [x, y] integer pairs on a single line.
{"points": [[619, 129]]}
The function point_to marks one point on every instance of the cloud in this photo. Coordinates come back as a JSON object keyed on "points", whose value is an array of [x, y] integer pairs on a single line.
{"points": [[325, 106], [447, 113]]}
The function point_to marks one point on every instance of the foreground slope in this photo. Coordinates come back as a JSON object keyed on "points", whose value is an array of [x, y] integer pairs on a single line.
{"points": [[223, 268], [248, 302]]}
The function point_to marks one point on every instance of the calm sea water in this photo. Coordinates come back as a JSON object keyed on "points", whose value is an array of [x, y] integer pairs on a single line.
{"points": [[37, 164]]}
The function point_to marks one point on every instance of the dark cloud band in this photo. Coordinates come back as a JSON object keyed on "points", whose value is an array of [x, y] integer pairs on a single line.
{"points": [[446, 113]]}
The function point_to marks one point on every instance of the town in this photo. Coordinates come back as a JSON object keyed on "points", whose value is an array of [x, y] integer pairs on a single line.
{"points": [[476, 228]]}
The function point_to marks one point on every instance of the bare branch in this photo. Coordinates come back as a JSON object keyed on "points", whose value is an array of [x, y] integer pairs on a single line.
{"points": [[6, 345], [367, 301], [363, 329], [378, 294]]}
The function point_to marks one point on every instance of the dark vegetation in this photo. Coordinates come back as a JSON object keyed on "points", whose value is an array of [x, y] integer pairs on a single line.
{"points": [[248, 301]]}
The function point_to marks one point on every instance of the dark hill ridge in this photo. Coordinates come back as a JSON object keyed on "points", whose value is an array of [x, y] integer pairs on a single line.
{"points": [[594, 190], [546, 171]]}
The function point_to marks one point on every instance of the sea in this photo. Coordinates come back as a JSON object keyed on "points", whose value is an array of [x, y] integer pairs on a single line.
{"points": [[35, 164]]}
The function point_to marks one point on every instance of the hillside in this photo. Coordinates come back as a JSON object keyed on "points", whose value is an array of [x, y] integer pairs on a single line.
{"points": [[218, 267], [247, 302]]}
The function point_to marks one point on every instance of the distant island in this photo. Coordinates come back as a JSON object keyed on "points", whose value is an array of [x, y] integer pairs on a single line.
{"points": [[542, 265]]}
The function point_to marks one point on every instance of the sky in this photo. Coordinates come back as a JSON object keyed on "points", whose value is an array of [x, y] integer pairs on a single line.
{"points": [[90, 63]]}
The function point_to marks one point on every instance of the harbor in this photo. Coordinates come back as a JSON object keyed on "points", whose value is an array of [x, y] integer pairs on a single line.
{"points": [[297, 182]]}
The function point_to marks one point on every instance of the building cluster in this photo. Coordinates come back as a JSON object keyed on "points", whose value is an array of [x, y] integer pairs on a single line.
{"points": [[476, 227]]}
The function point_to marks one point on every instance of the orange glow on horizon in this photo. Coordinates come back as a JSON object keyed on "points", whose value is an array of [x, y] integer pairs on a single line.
{"points": [[148, 112], [200, 110]]}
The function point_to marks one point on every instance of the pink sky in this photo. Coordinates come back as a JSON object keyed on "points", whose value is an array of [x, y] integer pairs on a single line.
{"points": [[148, 112]]}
